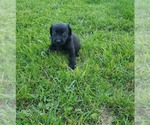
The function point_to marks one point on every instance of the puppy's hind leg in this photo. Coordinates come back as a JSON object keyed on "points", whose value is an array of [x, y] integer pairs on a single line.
{"points": [[76, 54]]}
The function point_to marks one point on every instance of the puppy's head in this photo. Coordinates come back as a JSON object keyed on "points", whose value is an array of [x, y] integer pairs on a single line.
{"points": [[60, 32]]}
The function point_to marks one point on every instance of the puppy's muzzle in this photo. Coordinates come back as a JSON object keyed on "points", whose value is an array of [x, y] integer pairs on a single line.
{"points": [[58, 41]]}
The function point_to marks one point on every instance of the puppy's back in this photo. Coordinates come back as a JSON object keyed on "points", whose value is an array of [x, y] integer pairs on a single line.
{"points": [[76, 42]]}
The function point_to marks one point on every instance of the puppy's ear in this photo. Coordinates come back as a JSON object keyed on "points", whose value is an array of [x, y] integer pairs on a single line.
{"points": [[51, 30], [69, 30]]}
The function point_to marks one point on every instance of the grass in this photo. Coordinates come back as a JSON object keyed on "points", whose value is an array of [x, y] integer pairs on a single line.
{"points": [[142, 59], [101, 89], [7, 63]]}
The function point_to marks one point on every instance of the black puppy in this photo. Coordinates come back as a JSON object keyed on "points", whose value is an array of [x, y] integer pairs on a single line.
{"points": [[62, 38]]}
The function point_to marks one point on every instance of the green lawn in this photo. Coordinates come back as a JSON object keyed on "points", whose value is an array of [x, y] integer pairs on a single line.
{"points": [[101, 89]]}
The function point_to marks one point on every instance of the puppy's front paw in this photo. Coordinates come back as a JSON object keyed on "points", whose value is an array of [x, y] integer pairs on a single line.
{"points": [[47, 51], [72, 66]]}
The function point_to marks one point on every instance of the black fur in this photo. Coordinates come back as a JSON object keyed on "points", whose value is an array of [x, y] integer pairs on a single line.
{"points": [[62, 38]]}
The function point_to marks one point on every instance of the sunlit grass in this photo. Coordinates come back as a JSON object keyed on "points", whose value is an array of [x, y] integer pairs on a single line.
{"points": [[48, 92]]}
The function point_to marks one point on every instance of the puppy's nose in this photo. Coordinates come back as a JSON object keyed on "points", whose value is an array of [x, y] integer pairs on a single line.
{"points": [[58, 40]]}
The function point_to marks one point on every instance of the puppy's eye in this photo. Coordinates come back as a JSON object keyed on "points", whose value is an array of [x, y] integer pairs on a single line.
{"points": [[64, 34], [54, 34]]}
